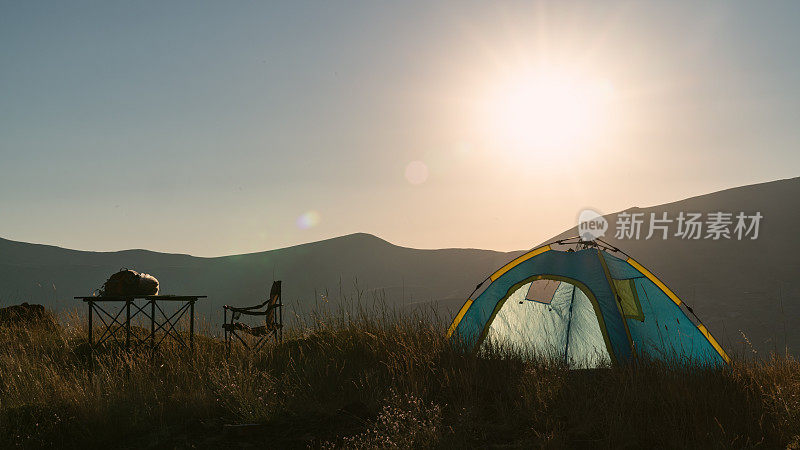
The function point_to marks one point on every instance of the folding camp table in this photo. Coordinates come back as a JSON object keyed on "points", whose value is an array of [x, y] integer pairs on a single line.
{"points": [[150, 307]]}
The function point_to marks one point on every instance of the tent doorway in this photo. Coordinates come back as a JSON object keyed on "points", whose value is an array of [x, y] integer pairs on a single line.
{"points": [[551, 319]]}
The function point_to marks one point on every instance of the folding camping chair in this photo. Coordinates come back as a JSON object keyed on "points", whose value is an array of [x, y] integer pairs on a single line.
{"points": [[271, 309]]}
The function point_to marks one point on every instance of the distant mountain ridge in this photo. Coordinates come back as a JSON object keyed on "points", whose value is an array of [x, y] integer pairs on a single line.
{"points": [[313, 273], [732, 285]]}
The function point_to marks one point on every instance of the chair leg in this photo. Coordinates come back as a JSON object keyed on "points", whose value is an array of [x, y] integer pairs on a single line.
{"points": [[227, 344], [225, 332], [260, 343], [234, 333]]}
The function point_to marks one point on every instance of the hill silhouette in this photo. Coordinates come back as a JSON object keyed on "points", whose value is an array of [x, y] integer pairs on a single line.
{"points": [[734, 286], [328, 271]]}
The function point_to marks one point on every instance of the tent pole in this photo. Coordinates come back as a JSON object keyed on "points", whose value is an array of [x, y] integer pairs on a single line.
{"points": [[569, 325]]}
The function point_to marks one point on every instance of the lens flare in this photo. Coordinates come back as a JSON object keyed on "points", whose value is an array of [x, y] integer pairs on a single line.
{"points": [[308, 219], [416, 172]]}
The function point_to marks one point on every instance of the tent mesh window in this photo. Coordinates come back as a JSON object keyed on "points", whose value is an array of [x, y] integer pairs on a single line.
{"points": [[629, 299], [563, 327]]}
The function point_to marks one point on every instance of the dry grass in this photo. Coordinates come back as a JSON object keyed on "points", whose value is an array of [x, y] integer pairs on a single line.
{"points": [[381, 382]]}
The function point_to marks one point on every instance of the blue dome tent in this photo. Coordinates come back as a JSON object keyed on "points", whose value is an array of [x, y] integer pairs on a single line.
{"points": [[585, 306]]}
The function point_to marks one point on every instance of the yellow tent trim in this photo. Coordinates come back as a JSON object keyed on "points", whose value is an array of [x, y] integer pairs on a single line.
{"points": [[518, 260], [714, 342], [655, 280], [678, 302], [458, 318], [495, 276]]}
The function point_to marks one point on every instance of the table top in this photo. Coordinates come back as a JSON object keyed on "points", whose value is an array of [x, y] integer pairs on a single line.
{"points": [[168, 298]]}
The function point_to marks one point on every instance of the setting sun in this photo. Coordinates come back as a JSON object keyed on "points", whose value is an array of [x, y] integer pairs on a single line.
{"points": [[547, 110]]}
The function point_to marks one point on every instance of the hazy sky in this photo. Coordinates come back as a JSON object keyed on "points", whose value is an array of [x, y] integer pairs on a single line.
{"points": [[226, 127]]}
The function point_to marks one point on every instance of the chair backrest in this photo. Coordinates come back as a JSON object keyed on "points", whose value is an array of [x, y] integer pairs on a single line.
{"points": [[274, 298]]}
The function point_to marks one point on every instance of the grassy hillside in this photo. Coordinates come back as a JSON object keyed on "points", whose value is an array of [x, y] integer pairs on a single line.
{"points": [[381, 382]]}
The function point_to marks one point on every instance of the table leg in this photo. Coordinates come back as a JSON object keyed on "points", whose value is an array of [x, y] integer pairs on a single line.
{"points": [[191, 326], [91, 344], [128, 324], [152, 327], [225, 330]]}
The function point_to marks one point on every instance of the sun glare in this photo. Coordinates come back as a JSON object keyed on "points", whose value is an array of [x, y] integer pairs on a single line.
{"points": [[548, 111]]}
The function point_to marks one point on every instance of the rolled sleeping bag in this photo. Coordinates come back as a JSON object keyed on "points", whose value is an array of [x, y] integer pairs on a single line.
{"points": [[129, 282]]}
